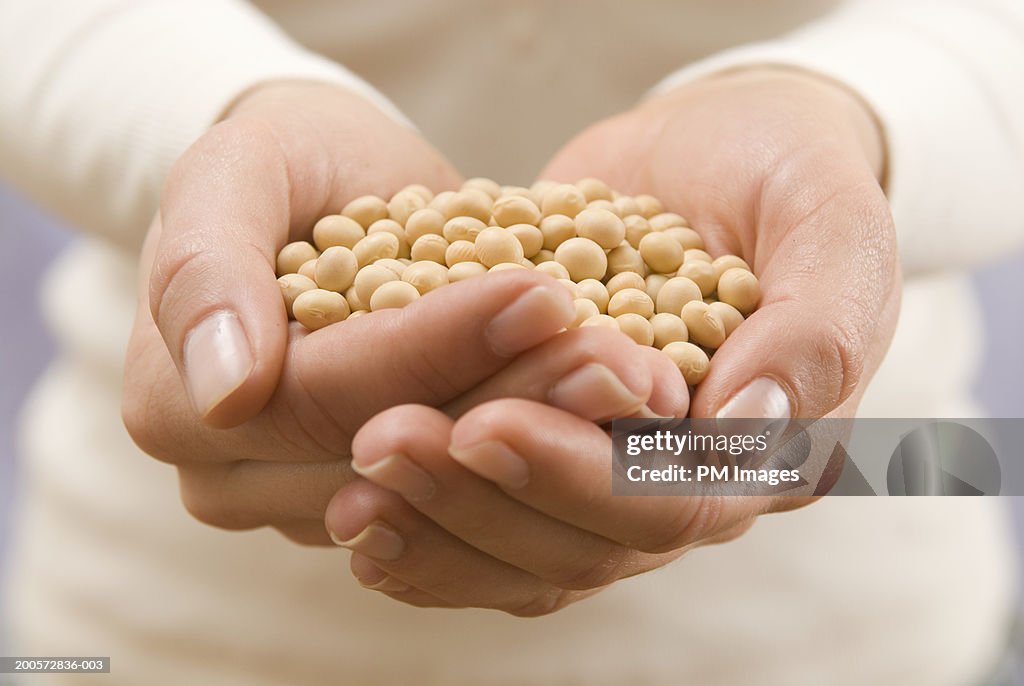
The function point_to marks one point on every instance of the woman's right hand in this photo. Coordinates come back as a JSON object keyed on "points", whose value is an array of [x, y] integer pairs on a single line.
{"points": [[258, 415]]}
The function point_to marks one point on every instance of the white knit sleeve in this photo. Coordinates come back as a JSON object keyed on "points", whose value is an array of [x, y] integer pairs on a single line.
{"points": [[946, 79], [99, 97]]}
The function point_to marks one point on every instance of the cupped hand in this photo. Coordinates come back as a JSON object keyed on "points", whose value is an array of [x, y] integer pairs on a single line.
{"points": [[258, 415], [781, 168]]}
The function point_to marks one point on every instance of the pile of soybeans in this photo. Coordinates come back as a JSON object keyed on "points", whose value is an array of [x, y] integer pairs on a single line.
{"points": [[628, 263]]}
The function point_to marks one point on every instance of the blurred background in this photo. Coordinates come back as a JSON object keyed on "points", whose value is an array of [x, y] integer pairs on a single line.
{"points": [[29, 240]]}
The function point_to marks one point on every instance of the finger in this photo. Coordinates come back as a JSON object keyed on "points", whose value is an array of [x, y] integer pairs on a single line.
{"points": [[830, 285], [572, 480], [224, 212], [338, 377], [407, 546], [595, 373], [373, 578], [405, 450], [429, 352], [249, 494]]}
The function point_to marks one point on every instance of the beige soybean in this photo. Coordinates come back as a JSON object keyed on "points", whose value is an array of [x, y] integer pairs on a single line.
{"points": [[692, 362], [460, 251], [583, 258], [337, 230], [603, 205], [294, 255], [703, 325], [465, 270], [636, 228], [317, 308], [308, 269], [397, 266], [403, 204], [495, 245], [625, 280], [668, 328], [354, 303], [515, 209], [369, 279], [336, 269], [636, 327], [626, 205], [543, 256], [585, 309], [601, 226], [701, 273], [626, 259], [426, 276], [675, 293], [391, 295], [440, 202], [424, 222], [292, 286], [530, 237], [686, 237], [648, 204], [356, 314], [594, 189], [557, 229], [631, 300], [395, 229], [666, 220], [504, 266], [462, 229], [552, 269], [739, 288], [563, 198], [601, 320], [595, 291], [420, 190], [429, 247], [539, 188], [483, 184], [661, 253], [695, 255], [366, 210], [521, 191], [469, 203], [376, 246], [653, 284], [726, 262], [730, 316]]}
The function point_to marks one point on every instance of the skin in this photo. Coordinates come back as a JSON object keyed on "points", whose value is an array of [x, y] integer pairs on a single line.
{"points": [[276, 449], [781, 168]]}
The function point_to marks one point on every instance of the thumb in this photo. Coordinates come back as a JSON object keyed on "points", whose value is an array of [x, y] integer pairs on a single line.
{"points": [[830, 299], [212, 291]]}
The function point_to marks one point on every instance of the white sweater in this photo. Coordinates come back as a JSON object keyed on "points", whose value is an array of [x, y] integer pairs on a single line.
{"points": [[100, 96]]}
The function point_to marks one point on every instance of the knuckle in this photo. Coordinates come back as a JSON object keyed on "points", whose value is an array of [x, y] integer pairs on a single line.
{"points": [[686, 526], [201, 494], [543, 604], [181, 274], [598, 573]]}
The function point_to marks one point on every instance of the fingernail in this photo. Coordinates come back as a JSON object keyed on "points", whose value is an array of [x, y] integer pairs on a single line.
{"points": [[399, 474], [532, 318], [593, 392], [217, 360], [378, 540], [495, 461], [761, 399], [374, 578]]}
